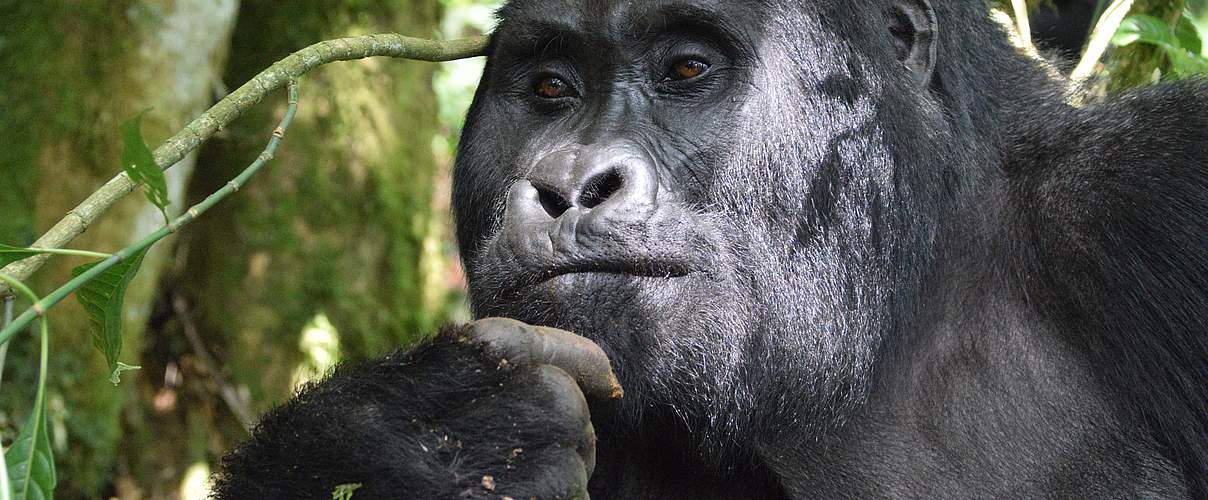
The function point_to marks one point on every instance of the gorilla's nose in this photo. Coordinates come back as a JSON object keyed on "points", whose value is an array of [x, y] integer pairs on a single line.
{"points": [[613, 177], [594, 208]]}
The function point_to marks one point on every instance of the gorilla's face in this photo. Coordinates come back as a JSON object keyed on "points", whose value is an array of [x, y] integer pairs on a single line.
{"points": [[699, 186]]}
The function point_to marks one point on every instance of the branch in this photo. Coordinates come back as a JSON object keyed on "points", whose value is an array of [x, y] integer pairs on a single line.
{"points": [[39, 307], [1101, 37], [231, 107]]}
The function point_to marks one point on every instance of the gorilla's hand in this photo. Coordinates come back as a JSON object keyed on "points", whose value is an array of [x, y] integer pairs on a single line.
{"points": [[494, 408], [567, 367]]}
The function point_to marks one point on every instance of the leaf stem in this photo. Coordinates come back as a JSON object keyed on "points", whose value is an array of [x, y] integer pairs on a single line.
{"points": [[8, 319], [38, 418], [71, 252], [40, 306]]}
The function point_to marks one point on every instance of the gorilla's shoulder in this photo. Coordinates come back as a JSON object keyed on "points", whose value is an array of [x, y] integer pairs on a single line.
{"points": [[1111, 200], [1128, 173]]}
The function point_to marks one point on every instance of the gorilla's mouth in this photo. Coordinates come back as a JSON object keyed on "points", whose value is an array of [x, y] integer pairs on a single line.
{"points": [[640, 268]]}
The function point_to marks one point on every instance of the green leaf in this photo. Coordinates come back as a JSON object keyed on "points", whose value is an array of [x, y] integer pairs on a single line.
{"points": [[140, 166], [102, 299], [1145, 29], [1184, 64], [1187, 35], [1195, 13], [31, 464], [8, 254], [344, 491]]}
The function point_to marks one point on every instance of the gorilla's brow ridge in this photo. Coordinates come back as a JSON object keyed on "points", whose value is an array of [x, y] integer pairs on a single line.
{"points": [[537, 37], [526, 34]]}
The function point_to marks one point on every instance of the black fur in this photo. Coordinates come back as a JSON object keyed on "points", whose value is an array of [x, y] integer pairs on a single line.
{"points": [[837, 265], [398, 426]]}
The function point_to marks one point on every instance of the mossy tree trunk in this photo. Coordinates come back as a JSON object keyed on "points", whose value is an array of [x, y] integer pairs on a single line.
{"points": [[336, 237], [74, 71]]}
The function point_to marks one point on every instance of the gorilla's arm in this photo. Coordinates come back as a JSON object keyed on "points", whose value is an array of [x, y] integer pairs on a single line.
{"points": [[477, 401]]}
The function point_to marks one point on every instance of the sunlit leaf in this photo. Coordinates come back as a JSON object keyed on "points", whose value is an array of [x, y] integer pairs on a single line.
{"points": [[102, 299], [1184, 64], [140, 166], [1144, 29], [1195, 13], [30, 460], [8, 254], [1187, 35], [344, 491]]}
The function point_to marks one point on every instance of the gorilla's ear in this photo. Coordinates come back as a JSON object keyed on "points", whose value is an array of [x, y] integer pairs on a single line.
{"points": [[914, 29]]}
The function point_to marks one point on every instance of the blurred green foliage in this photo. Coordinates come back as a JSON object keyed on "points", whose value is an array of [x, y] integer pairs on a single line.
{"points": [[1182, 43]]}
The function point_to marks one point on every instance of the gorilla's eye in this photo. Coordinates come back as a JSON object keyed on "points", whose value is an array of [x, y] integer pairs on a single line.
{"points": [[552, 87], [687, 69]]}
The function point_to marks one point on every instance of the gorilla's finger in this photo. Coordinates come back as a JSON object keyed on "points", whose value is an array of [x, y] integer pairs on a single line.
{"points": [[569, 403], [565, 477], [587, 448], [523, 343]]}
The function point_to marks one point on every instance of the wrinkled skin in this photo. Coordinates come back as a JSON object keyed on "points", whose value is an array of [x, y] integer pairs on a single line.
{"points": [[829, 249]]}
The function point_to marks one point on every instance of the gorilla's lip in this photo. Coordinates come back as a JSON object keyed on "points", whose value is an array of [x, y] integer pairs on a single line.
{"points": [[635, 268]]}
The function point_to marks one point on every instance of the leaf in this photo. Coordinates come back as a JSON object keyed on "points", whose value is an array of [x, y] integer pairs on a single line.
{"points": [[102, 299], [1184, 64], [344, 491], [31, 464], [139, 164], [8, 254], [1187, 35], [1145, 29], [1195, 13]]}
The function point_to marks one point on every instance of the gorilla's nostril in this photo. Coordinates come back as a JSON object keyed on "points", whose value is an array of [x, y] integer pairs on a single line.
{"points": [[553, 203], [600, 188]]}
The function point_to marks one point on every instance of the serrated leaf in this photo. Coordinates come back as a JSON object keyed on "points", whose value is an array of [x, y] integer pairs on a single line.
{"points": [[102, 299], [1144, 29], [139, 164], [8, 254], [30, 460]]}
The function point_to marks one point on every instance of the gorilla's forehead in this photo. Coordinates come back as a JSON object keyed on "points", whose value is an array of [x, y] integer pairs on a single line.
{"points": [[619, 20]]}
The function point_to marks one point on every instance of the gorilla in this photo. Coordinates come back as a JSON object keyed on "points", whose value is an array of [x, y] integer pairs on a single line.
{"points": [[807, 249]]}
